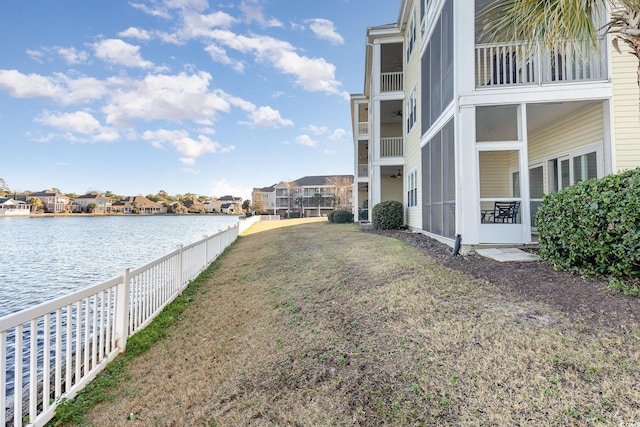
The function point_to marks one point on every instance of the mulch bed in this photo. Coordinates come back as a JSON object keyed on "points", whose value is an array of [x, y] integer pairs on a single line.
{"points": [[592, 301]]}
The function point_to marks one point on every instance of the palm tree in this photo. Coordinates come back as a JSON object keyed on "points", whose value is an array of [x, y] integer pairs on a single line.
{"points": [[550, 21], [300, 203], [316, 200]]}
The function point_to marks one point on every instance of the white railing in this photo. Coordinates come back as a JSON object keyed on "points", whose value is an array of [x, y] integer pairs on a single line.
{"points": [[391, 82], [363, 170], [392, 147], [363, 128], [51, 351], [499, 65]]}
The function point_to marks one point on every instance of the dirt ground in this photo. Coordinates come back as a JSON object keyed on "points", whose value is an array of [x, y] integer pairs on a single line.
{"points": [[593, 300]]}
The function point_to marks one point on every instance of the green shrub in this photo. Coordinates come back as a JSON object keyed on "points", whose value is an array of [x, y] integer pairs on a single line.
{"points": [[387, 215], [593, 228], [341, 217], [330, 216]]}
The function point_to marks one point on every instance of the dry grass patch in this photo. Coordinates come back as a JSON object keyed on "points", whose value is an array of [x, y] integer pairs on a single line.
{"points": [[320, 324]]}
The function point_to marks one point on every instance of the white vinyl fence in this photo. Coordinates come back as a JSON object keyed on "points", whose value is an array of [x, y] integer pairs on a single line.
{"points": [[51, 351]]}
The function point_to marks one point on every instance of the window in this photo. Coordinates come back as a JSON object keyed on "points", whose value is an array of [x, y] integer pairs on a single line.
{"points": [[572, 168], [438, 183], [411, 110], [412, 189], [437, 69], [411, 35]]}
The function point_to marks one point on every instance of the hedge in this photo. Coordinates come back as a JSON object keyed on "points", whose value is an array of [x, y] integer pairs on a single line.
{"points": [[341, 217], [593, 228], [387, 215]]}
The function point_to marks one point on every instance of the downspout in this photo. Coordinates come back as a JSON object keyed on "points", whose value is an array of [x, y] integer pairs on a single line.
{"points": [[456, 246]]}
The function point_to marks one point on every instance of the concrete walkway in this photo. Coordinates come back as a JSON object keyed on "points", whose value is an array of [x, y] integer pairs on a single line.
{"points": [[508, 254]]}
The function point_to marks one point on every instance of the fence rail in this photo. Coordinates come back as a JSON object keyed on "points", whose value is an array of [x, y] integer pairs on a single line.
{"points": [[51, 351], [391, 82], [392, 147], [500, 65]]}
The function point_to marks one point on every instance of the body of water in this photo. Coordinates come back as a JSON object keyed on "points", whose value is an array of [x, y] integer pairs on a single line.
{"points": [[44, 258]]}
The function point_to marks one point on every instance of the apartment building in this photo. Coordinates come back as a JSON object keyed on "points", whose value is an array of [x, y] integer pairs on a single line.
{"points": [[470, 135], [308, 196]]}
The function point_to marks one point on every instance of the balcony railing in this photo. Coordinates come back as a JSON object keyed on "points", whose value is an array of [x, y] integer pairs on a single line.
{"points": [[391, 82], [518, 64], [392, 147], [363, 170], [363, 128]]}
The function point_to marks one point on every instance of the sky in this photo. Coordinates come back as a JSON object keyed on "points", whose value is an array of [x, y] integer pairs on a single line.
{"points": [[186, 96]]}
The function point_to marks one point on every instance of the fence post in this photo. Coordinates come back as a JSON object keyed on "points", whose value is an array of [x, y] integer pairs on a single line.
{"points": [[179, 272], [122, 310], [206, 252]]}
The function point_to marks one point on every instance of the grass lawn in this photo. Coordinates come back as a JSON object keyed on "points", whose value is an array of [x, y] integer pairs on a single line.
{"points": [[321, 324]]}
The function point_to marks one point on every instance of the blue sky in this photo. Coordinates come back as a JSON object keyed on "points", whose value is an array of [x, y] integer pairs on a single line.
{"points": [[197, 96]]}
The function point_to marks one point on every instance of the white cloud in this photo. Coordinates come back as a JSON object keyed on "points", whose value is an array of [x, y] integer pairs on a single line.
{"points": [[164, 97], [116, 51], [267, 117], [218, 54], [252, 10], [153, 10], [71, 55], [316, 130], [79, 122], [21, 85], [198, 25], [324, 29], [198, 5], [189, 148], [337, 134], [223, 188], [329, 152], [135, 33], [36, 55], [58, 87], [313, 74], [306, 141]]}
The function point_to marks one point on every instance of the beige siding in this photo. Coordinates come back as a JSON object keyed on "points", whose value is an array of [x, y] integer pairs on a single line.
{"points": [[390, 130], [391, 189], [626, 110], [494, 173], [568, 133], [412, 155]]}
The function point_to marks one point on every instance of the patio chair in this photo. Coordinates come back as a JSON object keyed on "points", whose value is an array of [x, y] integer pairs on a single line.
{"points": [[505, 212]]}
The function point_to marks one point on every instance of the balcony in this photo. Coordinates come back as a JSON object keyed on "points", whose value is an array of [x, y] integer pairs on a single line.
{"points": [[392, 147], [363, 170], [363, 128], [392, 81], [508, 65]]}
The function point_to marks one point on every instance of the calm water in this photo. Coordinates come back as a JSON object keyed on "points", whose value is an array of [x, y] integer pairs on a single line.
{"points": [[44, 258]]}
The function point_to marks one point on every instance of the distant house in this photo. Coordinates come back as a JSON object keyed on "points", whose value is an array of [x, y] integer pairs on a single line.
{"points": [[102, 204], [136, 204], [228, 208], [210, 206], [194, 205], [263, 199], [52, 201], [217, 204], [10, 206]]}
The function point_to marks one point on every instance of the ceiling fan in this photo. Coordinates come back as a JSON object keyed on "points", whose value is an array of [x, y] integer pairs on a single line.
{"points": [[396, 113], [398, 175]]}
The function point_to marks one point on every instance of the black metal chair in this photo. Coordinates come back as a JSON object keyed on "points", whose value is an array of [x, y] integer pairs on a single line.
{"points": [[505, 212]]}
